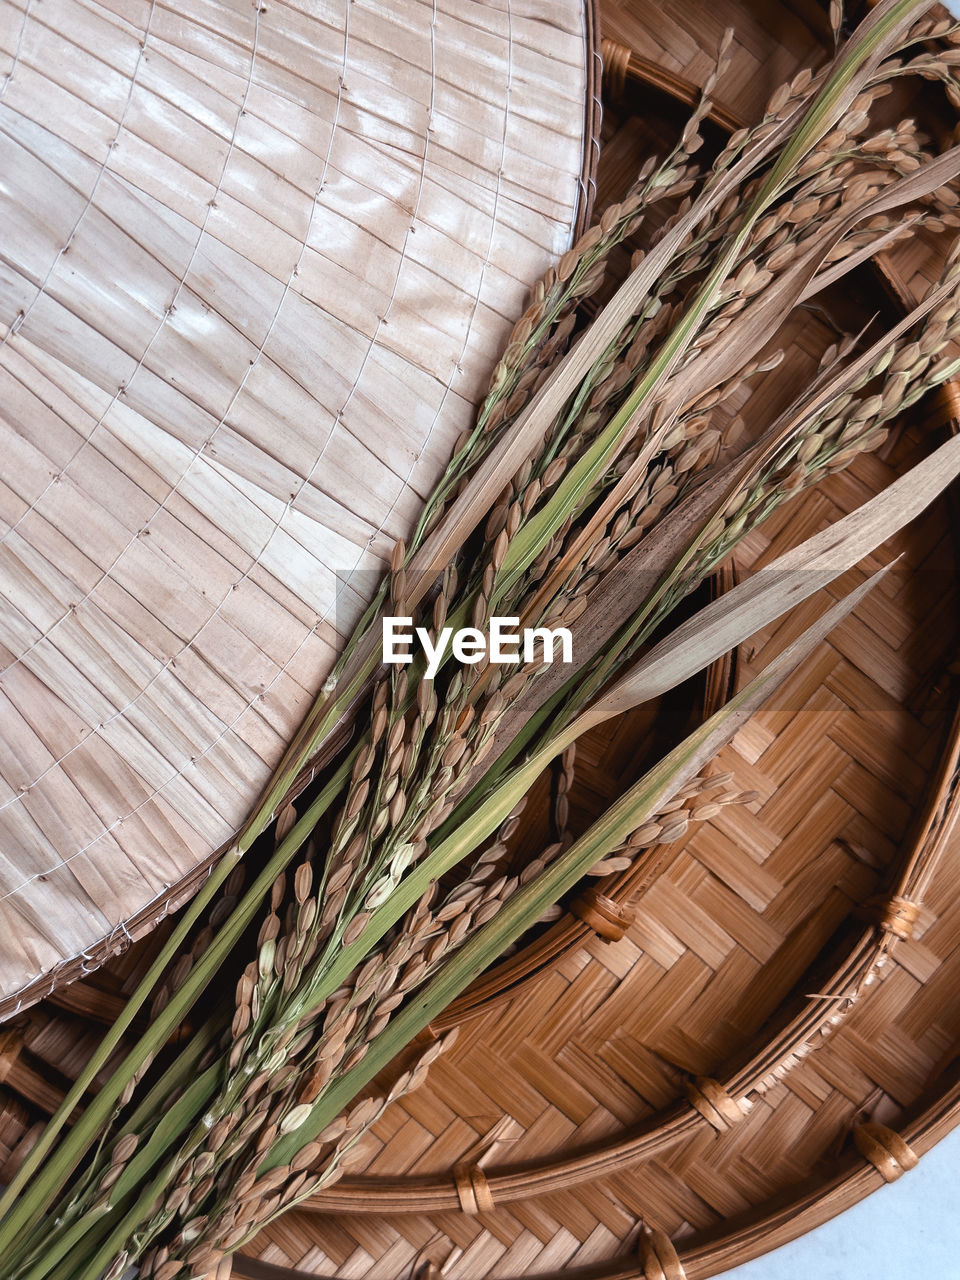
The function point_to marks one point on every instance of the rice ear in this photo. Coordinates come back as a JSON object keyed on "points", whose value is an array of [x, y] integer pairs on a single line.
{"points": [[608, 833]]}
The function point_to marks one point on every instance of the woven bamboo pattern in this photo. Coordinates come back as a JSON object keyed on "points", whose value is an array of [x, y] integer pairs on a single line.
{"points": [[762, 1005], [258, 261]]}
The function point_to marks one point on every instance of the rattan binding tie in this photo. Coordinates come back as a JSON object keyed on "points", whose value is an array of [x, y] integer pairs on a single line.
{"points": [[886, 1150], [11, 1042], [616, 60], [473, 1189], [659, 1257], [944, 401], [714, 1103], [604, 916], [898, 916]]}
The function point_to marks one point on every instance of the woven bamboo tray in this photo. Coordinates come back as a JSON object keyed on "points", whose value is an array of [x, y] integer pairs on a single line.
{"points": [[775, 1033]]}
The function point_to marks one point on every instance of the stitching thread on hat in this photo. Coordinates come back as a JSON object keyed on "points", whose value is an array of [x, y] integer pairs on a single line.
{"points": [[123, 710], [18, 48], [124, 386], [80, 216]]}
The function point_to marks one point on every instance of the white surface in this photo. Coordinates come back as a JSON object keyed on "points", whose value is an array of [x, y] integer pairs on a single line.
{"points": [[909, 1230]]}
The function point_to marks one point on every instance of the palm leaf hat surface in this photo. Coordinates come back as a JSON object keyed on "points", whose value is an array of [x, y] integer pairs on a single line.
{"points": [[256, 262]]}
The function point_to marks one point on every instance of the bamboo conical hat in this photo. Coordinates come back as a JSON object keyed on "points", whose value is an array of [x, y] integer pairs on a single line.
{"points": [[257, 262]]}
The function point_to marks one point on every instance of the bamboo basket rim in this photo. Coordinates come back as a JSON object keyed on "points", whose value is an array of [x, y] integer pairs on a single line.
{"points": [[755, 1233]]}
